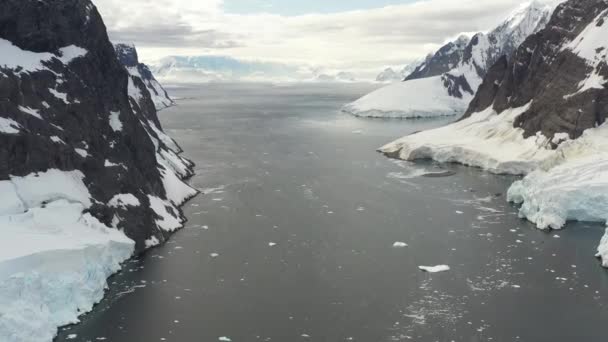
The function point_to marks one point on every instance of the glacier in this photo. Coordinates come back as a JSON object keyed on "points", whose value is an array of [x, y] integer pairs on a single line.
{"points": [[569, 183], [61, 271]]}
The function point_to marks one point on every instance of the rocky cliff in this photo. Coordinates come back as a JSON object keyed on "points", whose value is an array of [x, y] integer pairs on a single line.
{"points": [[72, 106], [560, 71], [87, 175], [127, 55]]}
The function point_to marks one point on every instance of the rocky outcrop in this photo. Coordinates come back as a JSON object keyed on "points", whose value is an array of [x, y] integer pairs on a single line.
{"points": [[127, 55], [561, 71], [444, 60], [485, 49], [67, 103]]}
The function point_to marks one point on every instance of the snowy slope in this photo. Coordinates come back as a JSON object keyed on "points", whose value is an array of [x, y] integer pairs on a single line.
{"points": [[544, 115], [475, 141], [404, 100], [462, 68]]}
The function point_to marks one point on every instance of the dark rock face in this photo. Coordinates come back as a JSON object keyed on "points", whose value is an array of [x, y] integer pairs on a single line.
{"points": [[127, 55], [463, 63], [444, 60], [544, 69], [75, 102], [456, 85]]}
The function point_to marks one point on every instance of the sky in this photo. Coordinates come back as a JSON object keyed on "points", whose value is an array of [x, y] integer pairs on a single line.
{"points": [[336, 35]]}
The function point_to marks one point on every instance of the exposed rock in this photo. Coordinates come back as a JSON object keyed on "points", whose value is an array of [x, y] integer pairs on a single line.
{"points": [[444, 60], [75, 107], [127, 55], [562, 70]]}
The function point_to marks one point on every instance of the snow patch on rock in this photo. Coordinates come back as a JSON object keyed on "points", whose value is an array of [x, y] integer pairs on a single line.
{"points": [[13, 57], [9, 126], [124, 200]]}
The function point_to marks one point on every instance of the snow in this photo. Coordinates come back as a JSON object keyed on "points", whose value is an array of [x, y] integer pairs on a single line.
{"points": [[563, 184], [485, 140], [167, 140], [54, 259], [82, 152], [152, 242], [434, 269], [13, 57], [30, 111], [57, 140], [166, 221], [558, 138], [175, 163], [115, 122], [575, 187], [134, 91], [124, 201], [592, 46], [9, 126], [157, 93], [69, 53], [177, 191], [47, 186], [62, 96], [412, 99]]}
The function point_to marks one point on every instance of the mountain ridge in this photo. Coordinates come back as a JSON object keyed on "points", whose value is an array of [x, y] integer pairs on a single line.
{"points": [[449, 79]]}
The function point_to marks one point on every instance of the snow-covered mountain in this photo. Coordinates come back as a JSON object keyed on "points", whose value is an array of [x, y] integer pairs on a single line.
{"points": [[127, 55], [389, 75], [184, 69], [341, 76], [444, 60], [543, 113], [445, 82], [87, 175], [202, 69]]}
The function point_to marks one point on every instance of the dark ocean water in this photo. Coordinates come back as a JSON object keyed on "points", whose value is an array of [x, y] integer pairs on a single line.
{"points": [[293, 239]]}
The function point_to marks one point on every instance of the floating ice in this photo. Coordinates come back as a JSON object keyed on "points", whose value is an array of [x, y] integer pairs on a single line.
{"points": [[434, 269]]}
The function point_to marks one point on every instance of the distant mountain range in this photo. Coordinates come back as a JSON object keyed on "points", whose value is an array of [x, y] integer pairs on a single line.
{"points": [[197, 69]]}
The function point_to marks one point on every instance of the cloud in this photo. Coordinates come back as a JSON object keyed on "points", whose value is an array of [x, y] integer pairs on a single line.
{"points": [[359, 39]]}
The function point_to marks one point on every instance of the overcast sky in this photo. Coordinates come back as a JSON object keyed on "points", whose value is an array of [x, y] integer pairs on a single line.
{"points": [[338, 34]]}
